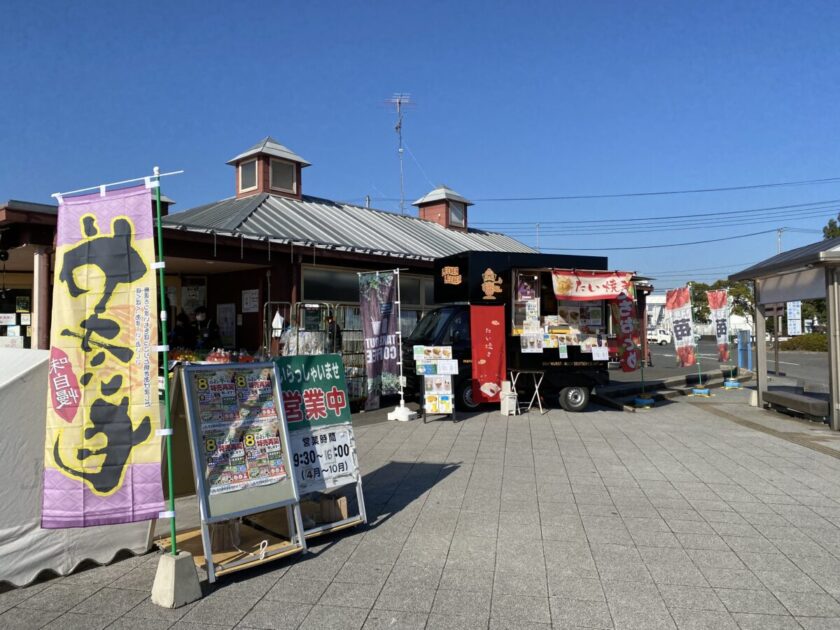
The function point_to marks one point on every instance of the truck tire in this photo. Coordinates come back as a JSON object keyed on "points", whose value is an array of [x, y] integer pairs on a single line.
{"points": [[464, 396], [663, 343], [574, 398]]}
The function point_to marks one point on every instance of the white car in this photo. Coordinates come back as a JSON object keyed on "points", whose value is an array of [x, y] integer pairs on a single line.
{"points": [[659, 335]]}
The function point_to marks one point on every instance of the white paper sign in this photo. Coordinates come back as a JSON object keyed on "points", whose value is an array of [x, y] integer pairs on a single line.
{"points": [[8, 319], [324, 457], [447, 366], [251, 301], [600, 353]]}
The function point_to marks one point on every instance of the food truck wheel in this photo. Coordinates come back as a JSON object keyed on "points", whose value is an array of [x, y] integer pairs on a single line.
{"points": [[464, 396], [574, 398]]}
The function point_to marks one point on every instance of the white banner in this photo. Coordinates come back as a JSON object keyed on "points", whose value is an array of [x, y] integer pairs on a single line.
{"points": [[324, 457]]}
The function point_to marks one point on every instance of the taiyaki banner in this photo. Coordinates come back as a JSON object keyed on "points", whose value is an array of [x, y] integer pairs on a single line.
{"points": [[591, 285], [487, 331], [718, 304], [678, 310], [629, 352], [102, 454]]}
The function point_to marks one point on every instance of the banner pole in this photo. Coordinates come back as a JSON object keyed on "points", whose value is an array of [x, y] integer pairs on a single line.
{"points": [[165, 338]]}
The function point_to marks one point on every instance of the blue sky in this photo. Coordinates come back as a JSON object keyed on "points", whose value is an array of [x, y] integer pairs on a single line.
{"points": [[512, 100]]}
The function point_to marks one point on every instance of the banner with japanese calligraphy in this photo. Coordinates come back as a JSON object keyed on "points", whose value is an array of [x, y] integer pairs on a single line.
{"points": [[591, 285], [487, 331], [102, 454], [628, 337], [719, 305], [315, 402], [678, 311], [377, 305]]}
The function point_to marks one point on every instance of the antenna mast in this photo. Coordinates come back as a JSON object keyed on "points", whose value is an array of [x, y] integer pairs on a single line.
{"points": [[400, 100]]}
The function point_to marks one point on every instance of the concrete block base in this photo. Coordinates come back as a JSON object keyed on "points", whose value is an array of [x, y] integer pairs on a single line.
{"points": [[176, 581], [402, 414]]}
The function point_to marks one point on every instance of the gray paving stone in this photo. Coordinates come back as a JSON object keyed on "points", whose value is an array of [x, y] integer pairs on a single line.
{"points": [[364, 573], [26, 618], [819, 623], [110, 602], [59, 597], [407, 600], [472, 604], [731, 578], [394, 620], [227, 612], [350, 594], [703, 620], [521, 608], [135, 623], [748, 601], [271, 615], [512, 624], [78, 621], [574, 612], [454, 622], [146, 610], [690, 597], [809, 604], [334, 618], [289, 590], [749, 621], [573, 587]]}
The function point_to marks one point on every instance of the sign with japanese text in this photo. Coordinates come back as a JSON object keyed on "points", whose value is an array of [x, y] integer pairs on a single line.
{"points": [[239, 427], [629, 353], [678, 311], [719, 305], [591, 285], [324, 457], [314, 390], [794, 318], [377, 305], [102, 455], [487, 331]]}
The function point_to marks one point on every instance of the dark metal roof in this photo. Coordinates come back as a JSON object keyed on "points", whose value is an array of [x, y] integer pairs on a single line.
{"points": [[270, 146], [814, 254], [313, 221]]}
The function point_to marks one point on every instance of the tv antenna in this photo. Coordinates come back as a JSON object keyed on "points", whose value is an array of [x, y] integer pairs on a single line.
{"points": [[400, 100]]}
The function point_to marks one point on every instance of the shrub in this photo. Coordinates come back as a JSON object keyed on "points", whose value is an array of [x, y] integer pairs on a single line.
{"points": [[812, 342]]}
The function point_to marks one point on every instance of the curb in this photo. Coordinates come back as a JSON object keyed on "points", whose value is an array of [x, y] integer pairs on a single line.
{"points": [[668, 389]]}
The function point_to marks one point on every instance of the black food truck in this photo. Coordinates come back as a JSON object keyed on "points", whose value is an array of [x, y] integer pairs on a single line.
{"points": [[541, 333]]}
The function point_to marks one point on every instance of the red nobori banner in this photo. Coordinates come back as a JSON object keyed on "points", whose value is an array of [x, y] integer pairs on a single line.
{"points": [[630, 355], [719, 305], [591, 285], [487, 330], [678, 310]]}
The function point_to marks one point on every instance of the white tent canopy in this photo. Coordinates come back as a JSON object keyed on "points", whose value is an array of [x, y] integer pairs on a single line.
{"points": [[25, 549]]}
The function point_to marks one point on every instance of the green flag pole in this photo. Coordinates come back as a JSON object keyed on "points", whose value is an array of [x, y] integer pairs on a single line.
{"points": [[165, 338]]}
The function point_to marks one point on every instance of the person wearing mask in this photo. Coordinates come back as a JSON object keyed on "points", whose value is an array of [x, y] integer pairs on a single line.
{"points": [[206, 331]]}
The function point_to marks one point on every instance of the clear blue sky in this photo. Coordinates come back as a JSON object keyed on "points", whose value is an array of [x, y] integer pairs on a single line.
{"points": [[512, 100]]}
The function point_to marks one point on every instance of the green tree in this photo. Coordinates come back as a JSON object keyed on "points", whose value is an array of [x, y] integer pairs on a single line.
{"points": [[740, 293], [832, 228]]}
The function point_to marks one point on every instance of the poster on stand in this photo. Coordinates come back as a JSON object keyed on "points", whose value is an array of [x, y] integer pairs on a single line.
{"points": [[102, 454], [487, 332], [719, 305], [317, 410], [377, 297], [678, 311]]}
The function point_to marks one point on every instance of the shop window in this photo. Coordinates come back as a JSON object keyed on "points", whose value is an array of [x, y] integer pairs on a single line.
{"points": [[330, 285], [248, 175], [410, 289], [428, 291], [283, 176]]}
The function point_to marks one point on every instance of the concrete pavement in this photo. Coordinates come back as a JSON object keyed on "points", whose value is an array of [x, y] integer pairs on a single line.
{"points": [[702, 513]]}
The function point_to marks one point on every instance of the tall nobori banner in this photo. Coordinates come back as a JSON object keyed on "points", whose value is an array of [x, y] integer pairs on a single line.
{"points": [[377, 297], [719, 305], [678, 310], [102, 454], [487, 330], [629, 352]]}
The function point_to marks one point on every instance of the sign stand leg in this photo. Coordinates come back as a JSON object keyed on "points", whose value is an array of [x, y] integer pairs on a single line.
{"points": [[360, 497]]}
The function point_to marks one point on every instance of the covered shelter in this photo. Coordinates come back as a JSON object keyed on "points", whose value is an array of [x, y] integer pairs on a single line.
{"points": [[805, 273]]}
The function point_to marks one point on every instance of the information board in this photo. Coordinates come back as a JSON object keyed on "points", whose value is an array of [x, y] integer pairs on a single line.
{"points": [[317, 410], [238, 438], [437, 367]]}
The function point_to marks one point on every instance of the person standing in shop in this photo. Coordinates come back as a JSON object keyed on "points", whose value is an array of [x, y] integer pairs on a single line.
{"points": [[206, 331]]}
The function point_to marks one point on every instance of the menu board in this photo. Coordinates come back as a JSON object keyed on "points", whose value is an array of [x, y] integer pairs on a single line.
{"points": [[436, 365], [238, 438]]}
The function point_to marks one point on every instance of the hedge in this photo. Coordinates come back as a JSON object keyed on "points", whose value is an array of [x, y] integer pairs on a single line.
{"points": [[812, 342]]}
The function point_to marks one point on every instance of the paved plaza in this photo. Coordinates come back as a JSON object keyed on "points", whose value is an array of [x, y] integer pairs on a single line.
{"points": [[702, 513]]}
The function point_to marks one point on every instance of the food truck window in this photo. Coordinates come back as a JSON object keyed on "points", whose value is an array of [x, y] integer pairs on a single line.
{"points": [[459, 328], [526, 301], [430, 327]]}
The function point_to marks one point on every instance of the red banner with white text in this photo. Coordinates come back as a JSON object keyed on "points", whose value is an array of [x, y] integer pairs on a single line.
{"points": [[624, 314], [678, 311], [487, 331], [719, 305]]}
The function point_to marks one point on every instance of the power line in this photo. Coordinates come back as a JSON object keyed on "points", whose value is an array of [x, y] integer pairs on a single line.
{"points": [[805, 182], [613, 249], [702, 268], [693, 215]]}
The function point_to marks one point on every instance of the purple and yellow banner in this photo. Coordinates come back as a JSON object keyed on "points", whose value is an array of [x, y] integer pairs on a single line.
{"points": [[102, 454]]}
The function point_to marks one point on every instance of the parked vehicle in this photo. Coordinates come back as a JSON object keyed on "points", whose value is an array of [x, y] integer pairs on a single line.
{"points": [[461, 283], [659, 335]]}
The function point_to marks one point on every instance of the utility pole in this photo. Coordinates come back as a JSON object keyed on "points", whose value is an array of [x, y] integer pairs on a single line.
{"points": [[779, 240], [538, 237], [400, 100]]}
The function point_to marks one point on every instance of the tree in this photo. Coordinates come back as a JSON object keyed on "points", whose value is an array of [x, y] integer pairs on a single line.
{"points": [[740, 294], [832, 228]]}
